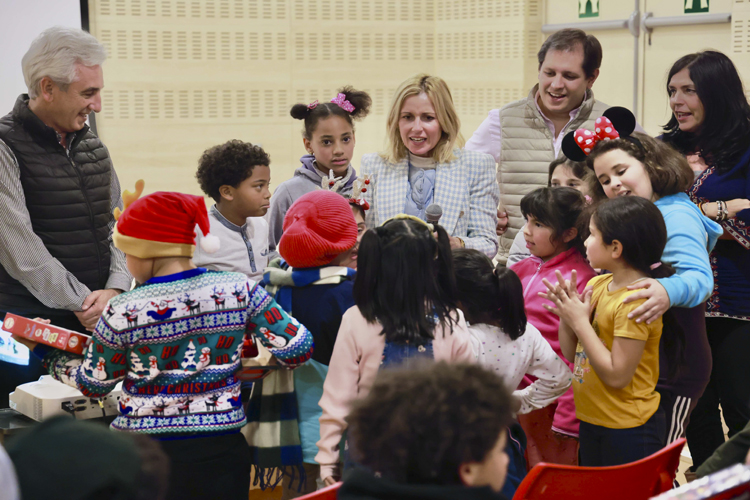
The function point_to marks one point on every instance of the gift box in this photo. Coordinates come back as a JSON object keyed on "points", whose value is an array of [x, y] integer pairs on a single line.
{"points": [[51, 335], [730, 483]]}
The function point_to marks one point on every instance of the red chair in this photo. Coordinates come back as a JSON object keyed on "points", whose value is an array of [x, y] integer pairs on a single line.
{"points": [[635, 481], [327, 493]]}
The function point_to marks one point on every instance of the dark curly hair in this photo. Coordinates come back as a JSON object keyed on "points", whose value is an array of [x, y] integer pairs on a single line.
{"points": [[228, 164], [488, 294], [417, 426], [359, 99]]}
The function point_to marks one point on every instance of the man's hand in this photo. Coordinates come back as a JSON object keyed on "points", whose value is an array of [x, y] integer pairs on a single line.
{"points": [[93, 307], [330, 481], [502, 222], [456, 243]]}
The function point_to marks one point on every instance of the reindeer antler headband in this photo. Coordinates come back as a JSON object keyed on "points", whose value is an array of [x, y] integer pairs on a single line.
{"points": [[359, 188], [128, 198]]}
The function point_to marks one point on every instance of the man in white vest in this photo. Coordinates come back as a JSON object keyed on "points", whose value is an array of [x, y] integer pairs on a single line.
{"points": [[526, 135]]}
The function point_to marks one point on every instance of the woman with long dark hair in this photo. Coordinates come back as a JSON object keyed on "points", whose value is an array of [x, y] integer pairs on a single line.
{"points": [[710, 125]]}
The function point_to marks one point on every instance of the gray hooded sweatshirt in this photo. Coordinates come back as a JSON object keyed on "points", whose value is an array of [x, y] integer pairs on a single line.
{"points": [[307, 178]]}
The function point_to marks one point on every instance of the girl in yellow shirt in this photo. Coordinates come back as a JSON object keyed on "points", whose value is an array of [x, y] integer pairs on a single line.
{"points": [[616, 359]]}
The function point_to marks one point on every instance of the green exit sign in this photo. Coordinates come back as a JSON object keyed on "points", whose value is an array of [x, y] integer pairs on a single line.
{"points": [[588, 8], [695, 6]]}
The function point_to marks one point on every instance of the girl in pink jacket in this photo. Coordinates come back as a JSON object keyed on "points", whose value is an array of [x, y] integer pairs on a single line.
{"points": [[405, 295], [552, 236]]}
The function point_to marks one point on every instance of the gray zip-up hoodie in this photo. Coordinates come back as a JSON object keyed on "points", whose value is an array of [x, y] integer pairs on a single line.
{"points": [[306, 178]]}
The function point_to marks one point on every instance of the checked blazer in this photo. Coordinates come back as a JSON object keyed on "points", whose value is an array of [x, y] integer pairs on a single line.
{"points": [[465, 188]]}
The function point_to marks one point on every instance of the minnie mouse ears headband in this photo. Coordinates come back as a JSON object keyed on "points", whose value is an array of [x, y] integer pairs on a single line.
{"points": [[616, 123]]}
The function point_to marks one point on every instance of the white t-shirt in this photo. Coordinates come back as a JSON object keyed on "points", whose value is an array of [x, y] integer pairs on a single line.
{"points": [[244, 249], [512, 359]]}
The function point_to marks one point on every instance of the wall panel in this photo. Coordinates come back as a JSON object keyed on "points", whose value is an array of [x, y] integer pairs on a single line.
{"points": [[185, 75]]}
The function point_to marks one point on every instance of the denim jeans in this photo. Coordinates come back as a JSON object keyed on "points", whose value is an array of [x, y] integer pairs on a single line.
{"points": [[404, 354]]}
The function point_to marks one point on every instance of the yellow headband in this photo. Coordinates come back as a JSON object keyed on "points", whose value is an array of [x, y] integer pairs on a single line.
{"points": [[410, 217]]}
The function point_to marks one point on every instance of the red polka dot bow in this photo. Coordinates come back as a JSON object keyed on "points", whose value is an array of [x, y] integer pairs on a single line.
{"points": [[603, 131]]}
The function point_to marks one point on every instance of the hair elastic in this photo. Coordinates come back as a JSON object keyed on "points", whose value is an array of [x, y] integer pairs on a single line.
{"points": [[654, 265], [313, 105]]}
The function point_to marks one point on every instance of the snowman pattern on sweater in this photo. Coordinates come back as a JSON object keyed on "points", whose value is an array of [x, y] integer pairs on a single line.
{"points": [[178, 372]]}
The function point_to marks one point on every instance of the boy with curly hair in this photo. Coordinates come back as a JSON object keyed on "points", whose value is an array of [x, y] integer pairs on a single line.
{"points": [[237, 176], [434, 432]]}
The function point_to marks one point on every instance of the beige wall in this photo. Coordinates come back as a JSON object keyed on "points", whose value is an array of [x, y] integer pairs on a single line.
{"points": [[615, 84], [186, 75]]}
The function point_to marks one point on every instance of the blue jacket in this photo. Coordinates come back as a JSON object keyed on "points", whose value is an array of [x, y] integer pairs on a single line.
{"points": [[690, 237], [729, 260]]}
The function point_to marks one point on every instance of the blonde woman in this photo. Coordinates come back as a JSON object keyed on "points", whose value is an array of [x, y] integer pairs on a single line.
{"points": [[425, 164]]}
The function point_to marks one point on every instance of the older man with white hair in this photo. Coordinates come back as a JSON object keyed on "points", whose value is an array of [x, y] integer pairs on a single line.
{"points": [[58, 189]]}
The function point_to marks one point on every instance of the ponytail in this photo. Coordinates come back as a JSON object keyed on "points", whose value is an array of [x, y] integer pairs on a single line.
{"points": [[487, 294], [405, 280], [446, 278]]}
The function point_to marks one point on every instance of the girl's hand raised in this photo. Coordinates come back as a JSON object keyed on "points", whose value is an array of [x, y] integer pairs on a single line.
{"points": [[657, 301], [569, 306]]}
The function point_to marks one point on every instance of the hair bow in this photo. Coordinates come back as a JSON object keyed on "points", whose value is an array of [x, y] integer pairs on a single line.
{"points": [[313, 104], [343, 103], [615, 123], [603, 131]]}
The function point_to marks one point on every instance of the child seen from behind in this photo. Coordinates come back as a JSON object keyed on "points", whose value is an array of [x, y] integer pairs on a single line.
{"points": [[320, 236], [431, 432], [492, 301], [175, 342], [406, 309]]}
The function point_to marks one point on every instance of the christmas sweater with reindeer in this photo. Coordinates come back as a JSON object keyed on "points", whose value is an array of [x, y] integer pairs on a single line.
{"points": [[176, 343]]}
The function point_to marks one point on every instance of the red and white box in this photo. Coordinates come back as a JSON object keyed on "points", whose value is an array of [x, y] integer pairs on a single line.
{"points": [[53, 336]]}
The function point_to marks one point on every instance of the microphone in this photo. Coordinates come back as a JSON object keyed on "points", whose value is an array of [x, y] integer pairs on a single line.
{"points": [[433, 213]]}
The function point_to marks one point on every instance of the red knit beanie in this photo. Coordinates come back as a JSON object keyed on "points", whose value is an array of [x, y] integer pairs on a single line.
{"points": [[317, 227], [162, 224]]}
